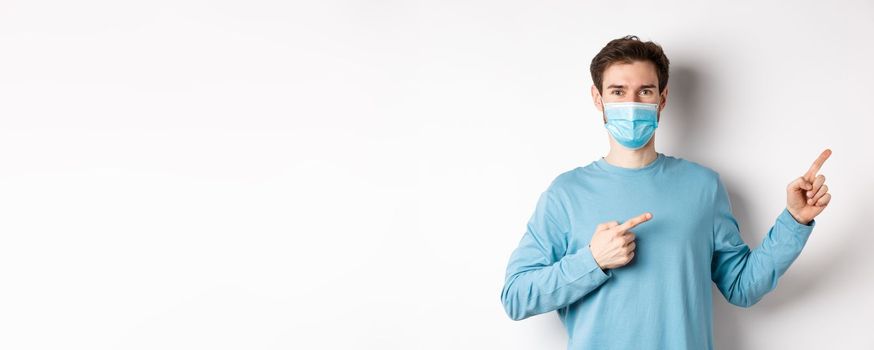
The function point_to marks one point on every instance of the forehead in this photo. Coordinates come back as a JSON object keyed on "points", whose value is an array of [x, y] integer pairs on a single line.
{"points": [[630, 74]]}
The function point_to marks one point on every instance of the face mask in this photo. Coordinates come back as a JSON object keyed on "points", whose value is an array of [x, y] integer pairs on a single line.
{"points": [[632, 124]]}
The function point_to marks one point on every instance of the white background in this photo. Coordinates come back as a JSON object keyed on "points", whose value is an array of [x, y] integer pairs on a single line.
{"points": [[355, 174]]}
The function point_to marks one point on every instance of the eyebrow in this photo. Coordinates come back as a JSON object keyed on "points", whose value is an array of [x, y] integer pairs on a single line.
{"points": [[647, 86]]}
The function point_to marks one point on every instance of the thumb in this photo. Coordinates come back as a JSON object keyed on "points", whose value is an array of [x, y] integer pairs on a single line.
{"points": [[800, 184]]}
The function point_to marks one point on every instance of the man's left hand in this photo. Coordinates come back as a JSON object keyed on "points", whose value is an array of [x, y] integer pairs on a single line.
{"points": [[808, 195]]}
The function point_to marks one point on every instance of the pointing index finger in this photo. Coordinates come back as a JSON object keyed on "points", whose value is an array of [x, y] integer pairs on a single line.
{"points": [[817, 164], [631, 223]]}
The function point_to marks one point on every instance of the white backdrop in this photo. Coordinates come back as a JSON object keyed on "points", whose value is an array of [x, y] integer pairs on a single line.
{"points": [[355, 174]]}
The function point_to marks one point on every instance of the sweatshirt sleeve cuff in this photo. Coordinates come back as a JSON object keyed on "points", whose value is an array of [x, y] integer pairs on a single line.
{"points": [[793, 225], [582, 264]]}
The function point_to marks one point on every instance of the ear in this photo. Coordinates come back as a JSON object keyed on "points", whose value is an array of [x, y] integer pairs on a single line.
{"points": [[596, 98], [664, 99]]}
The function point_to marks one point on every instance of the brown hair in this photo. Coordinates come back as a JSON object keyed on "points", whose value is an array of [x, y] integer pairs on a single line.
{"points": [[627, 50]]}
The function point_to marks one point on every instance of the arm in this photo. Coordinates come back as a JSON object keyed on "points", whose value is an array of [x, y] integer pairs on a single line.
{"points": [[744, 276], [541, 275]]}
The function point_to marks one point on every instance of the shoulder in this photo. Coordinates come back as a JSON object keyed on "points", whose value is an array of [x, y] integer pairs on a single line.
{"points": [[697, 175], [690, 168], [559, 188], [565, 178]]}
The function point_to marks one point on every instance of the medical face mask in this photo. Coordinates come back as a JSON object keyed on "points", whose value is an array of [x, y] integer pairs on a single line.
{"points": [[632, 124]]}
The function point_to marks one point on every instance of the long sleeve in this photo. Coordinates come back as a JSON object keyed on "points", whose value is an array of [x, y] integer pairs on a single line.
{"points": [[744, 276], [542, 275]]}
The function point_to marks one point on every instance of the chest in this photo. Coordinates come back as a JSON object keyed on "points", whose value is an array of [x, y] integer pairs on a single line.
{"points": [[681, 221]]}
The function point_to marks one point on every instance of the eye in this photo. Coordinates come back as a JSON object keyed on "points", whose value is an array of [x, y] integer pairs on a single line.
{"points": [[616, 92], [645, 92]]}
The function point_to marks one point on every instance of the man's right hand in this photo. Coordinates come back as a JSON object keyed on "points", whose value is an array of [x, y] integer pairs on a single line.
{"points": [[613, 244]]}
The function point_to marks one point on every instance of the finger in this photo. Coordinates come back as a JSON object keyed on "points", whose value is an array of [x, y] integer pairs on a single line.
{"points": [[817, 164], [824, 200], [629, 237], [799, 184], [822, 191], [817, 183], [630, 223], [631, 246], [607, 225]]}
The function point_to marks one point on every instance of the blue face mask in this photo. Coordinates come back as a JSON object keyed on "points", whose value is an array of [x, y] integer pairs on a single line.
{"points": [[632, 124]]}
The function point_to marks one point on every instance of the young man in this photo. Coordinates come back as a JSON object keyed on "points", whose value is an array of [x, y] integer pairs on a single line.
{"points": [[647, 289]]}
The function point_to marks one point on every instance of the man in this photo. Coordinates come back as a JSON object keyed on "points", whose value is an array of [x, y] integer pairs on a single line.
{"points": [[647, 289]]}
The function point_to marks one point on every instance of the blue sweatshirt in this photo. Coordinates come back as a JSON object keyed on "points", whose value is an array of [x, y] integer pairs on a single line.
{"points": [[662, 298]]}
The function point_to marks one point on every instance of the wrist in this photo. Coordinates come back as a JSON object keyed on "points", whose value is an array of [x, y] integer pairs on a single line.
{"points": [[797, 218], [596, 259]]}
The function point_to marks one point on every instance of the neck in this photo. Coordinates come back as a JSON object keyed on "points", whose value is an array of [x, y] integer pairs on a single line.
{"points": [[626, 158]]}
